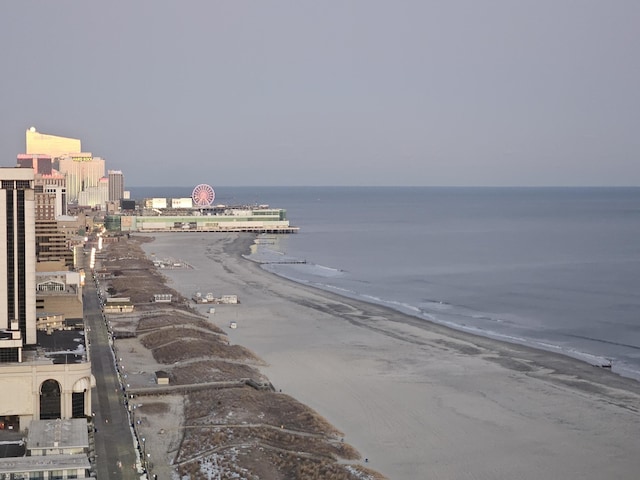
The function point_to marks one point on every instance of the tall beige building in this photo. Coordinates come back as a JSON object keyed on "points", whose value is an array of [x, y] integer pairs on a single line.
{"points": [[83, 172], [52, 145]]}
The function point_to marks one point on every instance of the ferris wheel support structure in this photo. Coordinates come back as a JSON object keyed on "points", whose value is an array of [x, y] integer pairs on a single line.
{"points": [[203, 195]]}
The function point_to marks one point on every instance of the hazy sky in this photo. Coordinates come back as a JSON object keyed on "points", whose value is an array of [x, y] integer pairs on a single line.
{"points": [[365, 92]]}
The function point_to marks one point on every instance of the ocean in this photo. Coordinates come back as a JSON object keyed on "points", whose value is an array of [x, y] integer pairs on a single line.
{"points": [[552, 268]]}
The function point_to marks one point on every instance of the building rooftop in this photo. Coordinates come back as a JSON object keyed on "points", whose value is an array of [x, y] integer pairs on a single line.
{"points": [[60, 347], [43, 463], [58, 434], [12, 444]]}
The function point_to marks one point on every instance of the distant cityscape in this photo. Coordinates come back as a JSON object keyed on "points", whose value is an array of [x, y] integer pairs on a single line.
{"points": [[73, 176], [59, 205], [45, 367], [71, 184]]}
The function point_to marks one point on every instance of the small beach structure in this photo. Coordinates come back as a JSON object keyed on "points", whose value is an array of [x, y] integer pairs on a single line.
{"points": [[118, 305], [162, 377], [162, 298], [228, 299], [210, 298]]}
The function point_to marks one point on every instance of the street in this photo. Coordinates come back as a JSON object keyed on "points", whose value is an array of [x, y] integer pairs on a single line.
{"points": [[115, 449]]}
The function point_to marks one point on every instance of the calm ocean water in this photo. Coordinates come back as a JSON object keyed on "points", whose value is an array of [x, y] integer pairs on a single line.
{"points": [[553, 268]]}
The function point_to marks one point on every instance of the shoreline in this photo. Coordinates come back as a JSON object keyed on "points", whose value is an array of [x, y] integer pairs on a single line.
{"points": [[591, 359], [537, 353], [411, 394]]}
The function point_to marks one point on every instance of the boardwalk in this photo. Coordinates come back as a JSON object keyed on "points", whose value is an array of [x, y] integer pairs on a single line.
{"points": [[115, 449]]}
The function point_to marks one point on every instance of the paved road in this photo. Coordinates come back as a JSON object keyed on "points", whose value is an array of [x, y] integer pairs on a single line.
{"points": [[115, 449]]}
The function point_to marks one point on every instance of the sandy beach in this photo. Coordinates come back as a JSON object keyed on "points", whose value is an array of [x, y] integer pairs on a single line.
{"points": [[415, 399]]}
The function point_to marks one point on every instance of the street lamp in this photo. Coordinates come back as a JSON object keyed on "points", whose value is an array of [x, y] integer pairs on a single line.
{"points": [[144, 454]]}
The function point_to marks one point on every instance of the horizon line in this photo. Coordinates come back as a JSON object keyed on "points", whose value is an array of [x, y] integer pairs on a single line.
{"points": [[393, 186]]}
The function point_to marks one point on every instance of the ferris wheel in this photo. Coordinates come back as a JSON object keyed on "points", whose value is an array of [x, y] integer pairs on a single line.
{"points": [[203, 195]]}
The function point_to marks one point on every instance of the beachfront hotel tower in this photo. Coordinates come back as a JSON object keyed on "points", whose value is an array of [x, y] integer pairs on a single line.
{"points": [[50, 145], [116, 185], [83, 173], [43, 374], [17, 261]]}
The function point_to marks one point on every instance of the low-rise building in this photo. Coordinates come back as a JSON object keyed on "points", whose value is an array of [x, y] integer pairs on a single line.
{"points": [[60, 293], [118, 305], [217, 219], [54, 449], [162, 298]]}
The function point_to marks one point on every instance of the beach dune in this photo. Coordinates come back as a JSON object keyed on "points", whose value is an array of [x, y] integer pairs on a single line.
{"points": [[416, 399]]}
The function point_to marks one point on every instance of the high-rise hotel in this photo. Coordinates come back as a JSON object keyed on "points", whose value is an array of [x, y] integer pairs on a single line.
{"points": [[116, 185], [45, 368], [84, 175], [17, 260], [43, 374], [51, 145]]}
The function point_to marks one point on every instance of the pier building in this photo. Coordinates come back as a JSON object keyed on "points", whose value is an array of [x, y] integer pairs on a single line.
{"points": [[218, 219]]}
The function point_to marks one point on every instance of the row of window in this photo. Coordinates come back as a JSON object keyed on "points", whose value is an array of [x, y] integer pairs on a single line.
{"points": [[52, 475], [16, 184]]}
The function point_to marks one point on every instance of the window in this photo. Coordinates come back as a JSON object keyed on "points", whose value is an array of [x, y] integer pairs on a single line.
{"points": [[50, 400], [8, 355], [50, 287], [77, 405]]}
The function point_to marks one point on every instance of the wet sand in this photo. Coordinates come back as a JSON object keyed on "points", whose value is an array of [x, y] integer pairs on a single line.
{"points": [[416, 399]]}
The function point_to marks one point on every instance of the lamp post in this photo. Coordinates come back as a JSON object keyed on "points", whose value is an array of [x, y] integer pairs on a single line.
{"points": [[144, 455]]}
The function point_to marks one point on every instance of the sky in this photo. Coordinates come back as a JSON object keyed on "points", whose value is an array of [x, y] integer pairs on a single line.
{"points": [[361, 92]]}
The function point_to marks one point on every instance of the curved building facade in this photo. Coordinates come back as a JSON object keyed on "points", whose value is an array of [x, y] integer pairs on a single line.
{"points": [[51, 145]]}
